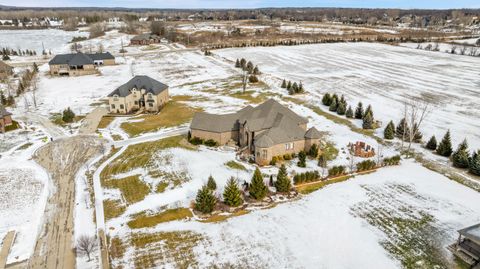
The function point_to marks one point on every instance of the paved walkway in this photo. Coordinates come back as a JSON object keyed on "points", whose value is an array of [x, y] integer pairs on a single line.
{"points": [[91, 121], [7, 244]]}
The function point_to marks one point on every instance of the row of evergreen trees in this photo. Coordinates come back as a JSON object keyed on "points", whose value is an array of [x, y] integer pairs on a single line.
{"points": [[247, 66], [461, 157], [233, 195], [293, 88], [341, 106], [11, 52], [26, 79], [402, 131]]}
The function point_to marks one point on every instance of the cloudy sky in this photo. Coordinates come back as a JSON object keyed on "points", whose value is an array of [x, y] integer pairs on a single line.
{"points": [[438, 4]]}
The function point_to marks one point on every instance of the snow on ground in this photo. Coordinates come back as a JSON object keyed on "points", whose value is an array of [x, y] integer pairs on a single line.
{"points": [[383, 76], [50, 39], [328, 224], [23, 196]]}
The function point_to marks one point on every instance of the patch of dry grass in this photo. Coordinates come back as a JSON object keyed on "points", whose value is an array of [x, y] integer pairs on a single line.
{"points": [[105, 121], [219, 218], [113, 208], [308, 188], [132, 188], [174, 113], [143, 220]]}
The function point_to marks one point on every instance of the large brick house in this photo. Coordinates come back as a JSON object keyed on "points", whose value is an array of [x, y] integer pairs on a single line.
{"points": [[141, 92], [5, 70], [265, 131], [78, 64], [5, 119], [145, 39]]}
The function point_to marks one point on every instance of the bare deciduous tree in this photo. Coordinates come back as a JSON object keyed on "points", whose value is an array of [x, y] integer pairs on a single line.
{"points": [[86, 245], [417, 111]]}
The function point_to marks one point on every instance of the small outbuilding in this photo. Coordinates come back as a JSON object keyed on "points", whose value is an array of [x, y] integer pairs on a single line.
{"points": [[467, 247], [145, 39]]}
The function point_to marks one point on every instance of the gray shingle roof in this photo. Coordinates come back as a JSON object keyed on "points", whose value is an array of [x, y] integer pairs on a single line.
{"points": [[277, 123], [147, 83], [80, 58], [313, 133], [472, 233], [4, 112], [145, 37]]}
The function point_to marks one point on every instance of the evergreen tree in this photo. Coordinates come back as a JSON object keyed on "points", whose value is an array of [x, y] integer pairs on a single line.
{"points": [[389, 132], [295, 87], [333, 105], [349, 112], [474, 164], [417, 138], [313, 151], [432, 143], [289, 85], [205, 201], [300, 88], [211, 184], [322, 161], [258, 189], [284, 84], [243, 63], [237, 64], [460, 157], [256, 71], [232, 196], [402, 128], [359, 111], [302, 158], [341, 108], [367, 121], [68, 115], [445, 146], [3, 99], [327, 99], [35, 67], [283, 182], [270, 181], [368, 111]]}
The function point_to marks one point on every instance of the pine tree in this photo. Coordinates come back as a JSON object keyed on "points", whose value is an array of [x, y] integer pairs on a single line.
{"points": [[295, 87], [258, 189], [327, 99], [68, 115], [402, 128], [284, 84], [3, 99], [283, 183], [300, 87], [333, 106], [367, 121], [237, 64], [322, 161], [432, 143], [417, 138], [389, 132], [460, 157], [232, 196], [474, 164], [349, 112], [445, 146], [368, 111], [243, 63], [313, 151], [211, 184], [289, 85], [205, 201], [302, 158], [256, 71], [341, 108], [35, 67], [359, 111]]}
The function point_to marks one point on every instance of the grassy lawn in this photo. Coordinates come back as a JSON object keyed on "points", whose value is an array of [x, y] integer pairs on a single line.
{"points": [[25, 146], [140, 155], [161, 187], [173, 114], [113, 208], [143, 220], [116, 248], [306, 189], [105, 121], [219, 218], [235, 165], [156, 249], [133, 189], [13, 126], [329, 151]]}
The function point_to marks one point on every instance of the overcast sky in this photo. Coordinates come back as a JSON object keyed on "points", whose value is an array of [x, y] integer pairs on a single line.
{"points": [[439, 4]]}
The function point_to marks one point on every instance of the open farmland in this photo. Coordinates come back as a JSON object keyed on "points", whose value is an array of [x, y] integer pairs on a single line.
{"points": [[383, 76]]}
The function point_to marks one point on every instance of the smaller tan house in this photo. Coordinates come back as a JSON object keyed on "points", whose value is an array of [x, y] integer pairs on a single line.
{"points": [[145, 39], [140, 93], [265, 131], [78, 64], [5, 70], [5, 119]]}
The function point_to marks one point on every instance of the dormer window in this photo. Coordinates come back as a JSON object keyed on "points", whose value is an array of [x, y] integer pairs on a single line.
{"points": [[149, 95], [115, 97]]}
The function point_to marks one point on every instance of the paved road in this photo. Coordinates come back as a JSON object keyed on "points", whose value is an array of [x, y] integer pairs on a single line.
{"points": [[62, 159], [7, 244]]}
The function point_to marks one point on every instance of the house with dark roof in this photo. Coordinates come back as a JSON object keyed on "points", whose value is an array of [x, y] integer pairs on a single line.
{"points": [[5, 70], [145, 39], [5, 119], [77, 64], [139, 93], [467, 247], [265, 131]]}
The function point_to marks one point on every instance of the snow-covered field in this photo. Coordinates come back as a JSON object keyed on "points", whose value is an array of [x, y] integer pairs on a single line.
{"points": [[50, 39], [383, 76]]}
